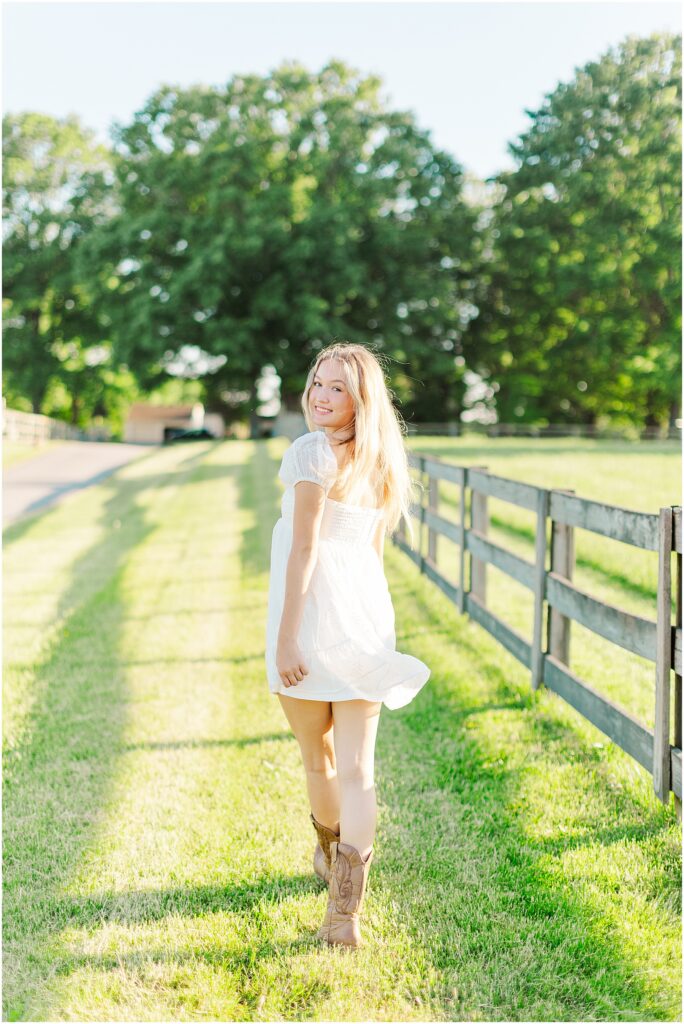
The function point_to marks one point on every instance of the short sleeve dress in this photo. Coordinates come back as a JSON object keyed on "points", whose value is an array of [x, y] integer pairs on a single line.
{"points": [[346, 634]]}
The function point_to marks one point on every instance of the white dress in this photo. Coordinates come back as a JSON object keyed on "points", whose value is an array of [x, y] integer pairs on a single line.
{"points": [[346, 634]]}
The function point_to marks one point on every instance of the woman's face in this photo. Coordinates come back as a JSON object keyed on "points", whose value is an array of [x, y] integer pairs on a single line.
{"points": [[330, 403]]}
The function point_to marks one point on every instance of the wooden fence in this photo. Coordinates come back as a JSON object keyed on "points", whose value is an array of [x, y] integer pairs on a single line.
{"points": [[33, 428], [659, 641], [457, 428]]}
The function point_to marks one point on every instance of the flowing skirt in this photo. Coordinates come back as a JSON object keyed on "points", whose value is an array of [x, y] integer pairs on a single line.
{"points": [[346, 635]]}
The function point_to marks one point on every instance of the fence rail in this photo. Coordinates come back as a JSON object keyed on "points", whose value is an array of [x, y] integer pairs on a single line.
{"points": [[659, 641], [32, 428], [457, 428]]}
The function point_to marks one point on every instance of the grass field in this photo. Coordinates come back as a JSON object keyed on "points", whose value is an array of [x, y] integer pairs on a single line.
{"points": [[156, 836]]}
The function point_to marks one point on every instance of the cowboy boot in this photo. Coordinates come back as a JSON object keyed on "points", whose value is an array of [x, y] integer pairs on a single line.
{"points": [[321, 860], [348, 877]]}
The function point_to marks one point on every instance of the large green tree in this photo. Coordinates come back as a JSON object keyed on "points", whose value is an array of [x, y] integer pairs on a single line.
{"points": [[579, 302], [255, 222], [261, 220], [56, 188]]}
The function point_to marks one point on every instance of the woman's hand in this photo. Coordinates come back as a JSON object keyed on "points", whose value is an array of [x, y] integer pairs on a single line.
{"points": [[289, 662]]}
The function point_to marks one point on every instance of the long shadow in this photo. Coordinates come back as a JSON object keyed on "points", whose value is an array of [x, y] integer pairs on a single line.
{"points": [[58, 773], [140, 905], [245, 741], [222, 610], [426, 747], [234, 957], [235, 660], [149, 906], [259, 489]]}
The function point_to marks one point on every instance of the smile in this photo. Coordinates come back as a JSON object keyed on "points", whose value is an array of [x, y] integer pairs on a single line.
{"points": [[320, 409]]}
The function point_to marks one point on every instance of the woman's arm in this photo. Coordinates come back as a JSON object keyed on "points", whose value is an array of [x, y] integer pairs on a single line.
{"points": [[308, 513]]}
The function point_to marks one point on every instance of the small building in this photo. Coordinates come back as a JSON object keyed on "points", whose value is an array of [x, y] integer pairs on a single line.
{"points": [[215, 423], [150, 424]]}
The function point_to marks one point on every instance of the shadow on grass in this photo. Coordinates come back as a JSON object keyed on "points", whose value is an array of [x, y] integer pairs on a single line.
{"points": [[138, 905], [246, 741], [234, 956], [534, 919], [260, 490], [57, 777], [427, 748]]}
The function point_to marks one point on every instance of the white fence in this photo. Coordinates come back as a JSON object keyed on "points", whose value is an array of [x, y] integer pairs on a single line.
{"points": [[32, 428]]}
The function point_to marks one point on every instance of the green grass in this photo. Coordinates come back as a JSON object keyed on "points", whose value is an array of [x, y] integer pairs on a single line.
{"points": [[156, 836]]}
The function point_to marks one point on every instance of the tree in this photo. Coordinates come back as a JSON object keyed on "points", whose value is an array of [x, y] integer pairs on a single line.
{"points": [[580, 300], [259, 221], [54, 187]]}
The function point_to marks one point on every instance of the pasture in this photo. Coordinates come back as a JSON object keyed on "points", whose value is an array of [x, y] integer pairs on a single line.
{"points": [[156, 836]]}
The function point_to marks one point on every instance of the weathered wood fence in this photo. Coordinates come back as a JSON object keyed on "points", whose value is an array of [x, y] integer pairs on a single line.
{"points": [[659, 641], [32, 428]]}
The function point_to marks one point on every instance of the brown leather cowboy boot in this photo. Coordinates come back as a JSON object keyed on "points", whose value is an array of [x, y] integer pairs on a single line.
{"points": [[348, 877], [321, 860]]}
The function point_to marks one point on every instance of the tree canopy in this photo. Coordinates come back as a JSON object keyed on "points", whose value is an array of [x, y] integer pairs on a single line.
{"points": [[580, 304], [260, 220]]}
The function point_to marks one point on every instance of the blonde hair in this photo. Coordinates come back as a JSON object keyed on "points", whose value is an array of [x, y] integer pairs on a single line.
{"points": [[376, 451]]}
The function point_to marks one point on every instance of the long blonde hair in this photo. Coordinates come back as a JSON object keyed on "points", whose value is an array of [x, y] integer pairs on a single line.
{"points": [[376, 451]]}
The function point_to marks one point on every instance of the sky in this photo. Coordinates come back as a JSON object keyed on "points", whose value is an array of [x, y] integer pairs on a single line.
{"points": [[468, 71]]}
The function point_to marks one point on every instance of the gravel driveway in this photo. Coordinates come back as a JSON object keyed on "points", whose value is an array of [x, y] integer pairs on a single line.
{"points": [[35, 483]]}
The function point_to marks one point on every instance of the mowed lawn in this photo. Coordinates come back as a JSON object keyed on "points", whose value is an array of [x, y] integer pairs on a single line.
{"points": [[157, 847]]}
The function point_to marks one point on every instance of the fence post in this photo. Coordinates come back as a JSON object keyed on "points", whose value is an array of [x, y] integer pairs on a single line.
{"points": [[479, 520], [539, 587], [678, 679], [401, 528], [421, 534], [462, 541], [661, 732], [562, 564], [433, 505]]}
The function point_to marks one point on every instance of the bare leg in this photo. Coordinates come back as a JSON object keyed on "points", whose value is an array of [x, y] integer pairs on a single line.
{"points": [[355, 730], [312, 723]]}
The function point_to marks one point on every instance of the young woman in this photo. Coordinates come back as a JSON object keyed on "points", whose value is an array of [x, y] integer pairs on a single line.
{"points": [[330, 642]]}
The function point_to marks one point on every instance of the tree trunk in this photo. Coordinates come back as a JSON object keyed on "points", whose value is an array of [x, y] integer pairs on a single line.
{"points": [[675, 414], [75, 410]]}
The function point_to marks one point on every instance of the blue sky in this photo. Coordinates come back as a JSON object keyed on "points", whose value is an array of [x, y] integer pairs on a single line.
{"points": [[467, 70]]}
